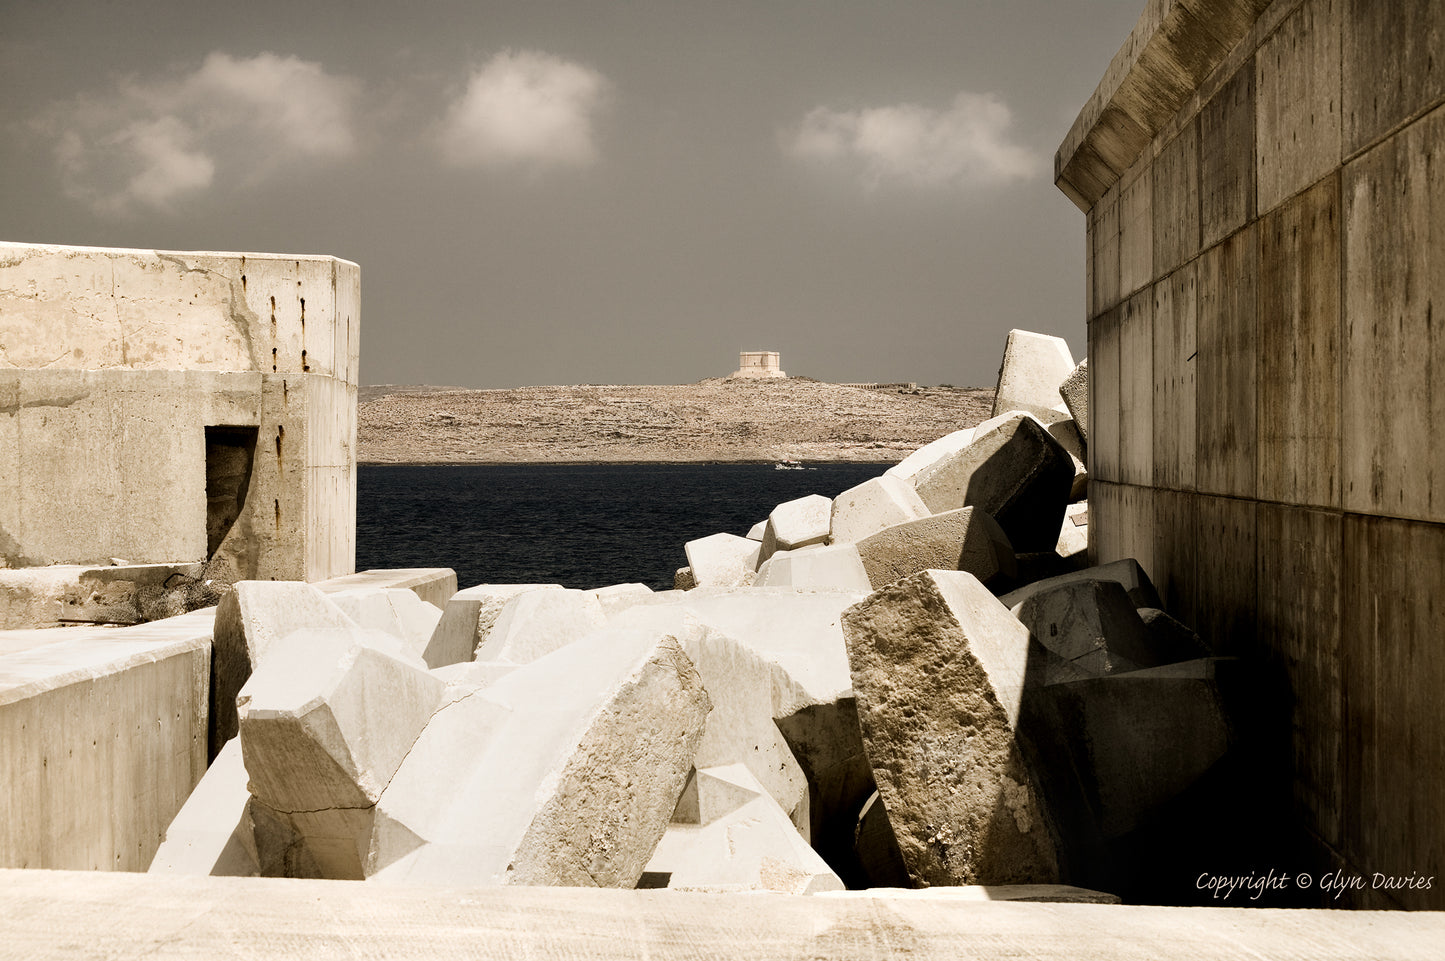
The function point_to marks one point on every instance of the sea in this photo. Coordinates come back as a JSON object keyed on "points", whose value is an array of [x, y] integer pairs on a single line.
{"points": [[581, 526]]}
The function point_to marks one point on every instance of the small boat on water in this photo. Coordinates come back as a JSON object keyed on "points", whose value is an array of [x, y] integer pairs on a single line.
{"points": [[786, 464]]}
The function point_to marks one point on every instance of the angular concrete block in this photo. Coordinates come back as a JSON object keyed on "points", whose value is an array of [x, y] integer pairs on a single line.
{"points": [[1090, 623], [1066, 432], [722, 560], [876, 848], [939, 669], [732, 836], [834, 568], [435, 585], [619, 597], [1170, 640], [873, 505], [1074, 531], [755, 533], [391, 610], [797, 523], [1126, 572], [250, 622], [468, 618], [1075, 392], [1034, 365], [211, 835], [1015, 471], [931, 453], [966, 539], [535, 623], [324, 722], [566, 771]]}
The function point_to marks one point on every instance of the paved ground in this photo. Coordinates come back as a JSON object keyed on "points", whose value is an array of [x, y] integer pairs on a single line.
{"points": [[52, 914]]}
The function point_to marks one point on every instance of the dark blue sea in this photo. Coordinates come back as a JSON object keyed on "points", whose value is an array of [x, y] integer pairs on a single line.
{"points": [[579, 526]]}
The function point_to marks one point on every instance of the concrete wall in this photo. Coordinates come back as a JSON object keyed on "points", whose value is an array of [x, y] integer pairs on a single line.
{"points": [[112, 365], [1265, 191], [103, 736]]}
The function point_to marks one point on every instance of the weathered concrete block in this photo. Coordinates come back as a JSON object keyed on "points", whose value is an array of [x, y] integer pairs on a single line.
{"points": [[435, 585], [939, 669], [502, 787], [468, 619], [966, 539], [1126, 572], [212, 834], [1170, 640], [755, 533], [1034, 365], [797, 523], [873, 505], [250, 623], [1075, 392], [30, 597], [325, 720], [834, 568], [391, 610], [619, 597], [1066, 432], [1092, 624], [536, 623], [1015, 471], [1074, 531], [728, 834], [929, 454], [722, 560]]}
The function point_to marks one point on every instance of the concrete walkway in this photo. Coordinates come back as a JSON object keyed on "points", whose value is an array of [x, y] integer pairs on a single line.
{"points": [[54, 914]]}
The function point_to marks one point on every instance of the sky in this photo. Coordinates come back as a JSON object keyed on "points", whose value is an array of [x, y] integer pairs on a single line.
{"points": [[582, 191]]}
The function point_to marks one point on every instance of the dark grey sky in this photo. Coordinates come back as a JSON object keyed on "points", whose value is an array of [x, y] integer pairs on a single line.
{"points": [[582, 191]]}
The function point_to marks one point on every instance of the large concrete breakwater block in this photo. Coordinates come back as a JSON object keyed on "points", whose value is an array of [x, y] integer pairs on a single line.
{"points": [[1034, 366], [939, 668], [966, 539]]}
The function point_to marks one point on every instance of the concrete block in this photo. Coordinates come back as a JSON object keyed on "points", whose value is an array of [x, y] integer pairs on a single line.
{"points": [[797, 523], [468, 618], [536, 623], [1075, 392], [1170, 640], [1127, 573], [738, 839], [30, 597], [723, 560], [212, 833], [876, 847], [391, 610], [502, 787], [1066, 432], [938, 670], [1074, 531], [325, 720], [929, 454], [1092, 624], [1226, 402], [1015, 472], [618, 597], [755, 533], [873, 505], [1034, 365], [834, 568], [251, 621], [966, 539], [435, 585]]}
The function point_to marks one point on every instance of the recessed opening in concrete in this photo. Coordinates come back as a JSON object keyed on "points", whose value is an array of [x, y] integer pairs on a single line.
{"points": [[230, 452]]}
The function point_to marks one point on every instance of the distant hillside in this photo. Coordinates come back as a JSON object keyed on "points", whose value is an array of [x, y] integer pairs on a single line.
{"points": [[714, 420]]}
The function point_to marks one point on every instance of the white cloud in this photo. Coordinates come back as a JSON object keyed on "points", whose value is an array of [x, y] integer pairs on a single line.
{"points": [[525, 108], [967, 144], [152, 143]]}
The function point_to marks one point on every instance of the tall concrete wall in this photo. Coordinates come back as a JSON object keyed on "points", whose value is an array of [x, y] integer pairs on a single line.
{"points": [[1265, 191], [112, 365]]}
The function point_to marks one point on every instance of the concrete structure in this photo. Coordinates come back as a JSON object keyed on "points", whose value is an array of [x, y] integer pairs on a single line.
{"points": [[178, 408], [759, 364], [1264, 194]]}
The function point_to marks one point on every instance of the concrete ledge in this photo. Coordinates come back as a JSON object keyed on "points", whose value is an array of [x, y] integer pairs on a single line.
{"points": [[63, 915], [1174, 46]]}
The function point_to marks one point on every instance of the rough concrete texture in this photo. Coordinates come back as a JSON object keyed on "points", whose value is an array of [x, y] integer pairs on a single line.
{"points": [[728, 834], [1092, 624], [435, 585], [939, 669], [536, 623], [1034, 365], [1015, 471], [211, 834], [391, 610], [1126, 572], [251, 621], [876, 847], [54, 915], [30, 597], [468, 618], [873, 505], [797, 523], [324, 722], [103, 735], [722, 560], [1066, 432], [1075, 392], [929, 454], [1074, 531], [71, 594], [837, 567], [503, 785], [619, 597], [967, 539]]}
